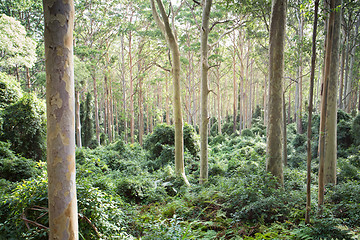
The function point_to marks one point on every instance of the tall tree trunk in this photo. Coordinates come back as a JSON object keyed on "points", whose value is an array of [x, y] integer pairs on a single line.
{"points": [[311, 93], [131, 93], [77, 119], [350, 92], [234, 86], [58, 35], [218, 99], [96, 108], [342, 69], [327, 141], [204, 91], [300, 78], [171, 39], [124, 88], [331, 113], [274, 159]]}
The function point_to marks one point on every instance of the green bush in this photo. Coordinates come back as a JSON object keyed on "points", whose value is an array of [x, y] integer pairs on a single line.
{"points": [[29, 199], [160, 144], [17, 169], [10, 91], [25, 127], [247, 133], [356, 129], [344, 136]]}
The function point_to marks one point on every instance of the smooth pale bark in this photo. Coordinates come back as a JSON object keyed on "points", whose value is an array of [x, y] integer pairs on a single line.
{"points": [[327, 138], [204, 91], [300, 78], [96, 109], [124, 96], [234, 87], [274, 163], [131, 92], [311, 93], [331, 112], [342, 69], [60, 102], [171, 40], [77, 119]]}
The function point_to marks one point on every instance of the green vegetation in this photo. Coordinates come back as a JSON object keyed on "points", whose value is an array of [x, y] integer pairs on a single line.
{"points": [[129, 192]]}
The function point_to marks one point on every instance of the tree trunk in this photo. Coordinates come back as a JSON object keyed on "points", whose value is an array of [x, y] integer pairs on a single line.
{"points": [[327, 139], [274, 159], [234, 87], [204, 91], [341, 86], [58, 35], [96, 108], [131, 93], [331, 112], [170, 37], [77, 119], [311, 93]]}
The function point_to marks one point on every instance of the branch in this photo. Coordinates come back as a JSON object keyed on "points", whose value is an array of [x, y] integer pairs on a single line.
{"points": [[91, 224], [163, 68]]}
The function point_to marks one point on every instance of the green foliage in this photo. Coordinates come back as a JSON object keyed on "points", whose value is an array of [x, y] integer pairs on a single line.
{"points": [[10, 91], [87, 121], [15, 47], [323, 228], [16, 169], [25, 127], [356, 129], [344, 200], [160, 144]]}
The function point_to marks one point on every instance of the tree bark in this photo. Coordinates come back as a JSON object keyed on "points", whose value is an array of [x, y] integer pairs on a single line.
{"points": [[204, 91], [77, 119], [96, 108], [274, 163], [311, 93], [58, 35], [327, 139], [331, 112], [170, 37]]}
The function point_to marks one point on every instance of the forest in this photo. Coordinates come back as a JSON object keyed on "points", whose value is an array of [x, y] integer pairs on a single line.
{"points": [[179, 119]]}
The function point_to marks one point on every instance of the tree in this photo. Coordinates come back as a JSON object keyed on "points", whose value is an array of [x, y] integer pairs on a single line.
{"points": [[16, 49], [328, 117], [58, 35], [204, 91], [171, 40], [311, 93], [276, 53]]}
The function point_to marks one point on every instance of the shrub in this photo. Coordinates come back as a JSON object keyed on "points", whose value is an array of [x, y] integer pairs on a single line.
{"points": [[25, 127], [344, 136], [160, 144], [247, 133], [10, 90], [16, 169], [356, 129]]}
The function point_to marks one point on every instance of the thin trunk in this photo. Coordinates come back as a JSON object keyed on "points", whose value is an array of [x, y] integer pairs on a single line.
{"points": [[311, 93], [171, 39], [204, 92], [284, 138], [124, 88], [96, 108], [131, 93], [341, 85], [63, 217], [234, 87], [77, 119]]}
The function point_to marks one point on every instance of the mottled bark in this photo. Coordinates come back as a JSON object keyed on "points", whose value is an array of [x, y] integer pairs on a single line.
{"points": [[58, 35], [274, 162], [204, 91]]}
